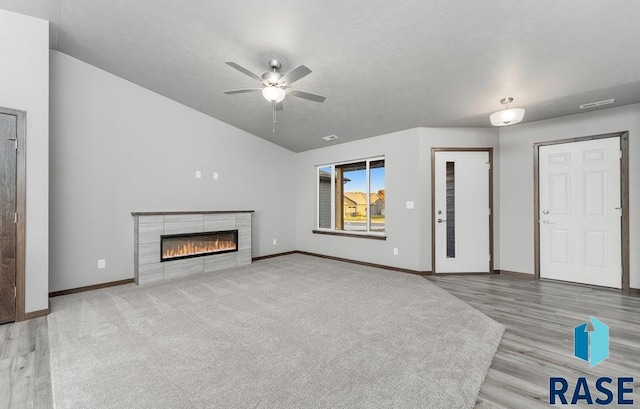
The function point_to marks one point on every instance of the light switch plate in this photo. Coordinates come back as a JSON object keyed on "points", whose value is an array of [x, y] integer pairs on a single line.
{"points": [[102, 263], [215, 175], [198, 174], [410, 204]]}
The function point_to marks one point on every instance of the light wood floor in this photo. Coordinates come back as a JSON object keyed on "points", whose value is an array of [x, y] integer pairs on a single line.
{"points": [[25, 377], [538, 342], [539, 316]]}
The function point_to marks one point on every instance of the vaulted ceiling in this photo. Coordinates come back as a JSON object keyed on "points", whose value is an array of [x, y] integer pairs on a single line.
{"points": [[383, 66]]}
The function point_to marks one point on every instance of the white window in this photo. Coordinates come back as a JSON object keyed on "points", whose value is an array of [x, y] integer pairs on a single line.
{"points": [[351, 196]]}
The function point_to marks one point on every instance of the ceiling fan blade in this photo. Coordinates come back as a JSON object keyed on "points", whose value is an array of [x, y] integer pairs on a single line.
{"points": [[279, 106], [243, 70], [306, 95], [294, 75], [241, 91]]}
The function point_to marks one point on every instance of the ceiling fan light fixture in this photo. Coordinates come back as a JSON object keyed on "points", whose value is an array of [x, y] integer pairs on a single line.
{"points": [[507, 116], [273, 94]]}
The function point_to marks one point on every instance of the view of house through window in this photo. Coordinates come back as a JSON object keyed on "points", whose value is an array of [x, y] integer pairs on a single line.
{"points": [[351, 196]]}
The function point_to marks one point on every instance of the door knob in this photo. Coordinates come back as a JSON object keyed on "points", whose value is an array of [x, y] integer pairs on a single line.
{"points": [[440, 221]]}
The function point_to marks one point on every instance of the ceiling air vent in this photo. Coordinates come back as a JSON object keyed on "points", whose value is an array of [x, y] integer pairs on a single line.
{"points": [[330, 137], [597, 104]]}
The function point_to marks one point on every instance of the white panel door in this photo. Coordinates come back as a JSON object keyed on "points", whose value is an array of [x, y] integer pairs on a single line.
{"points": [[461, 212], [580, 216]]}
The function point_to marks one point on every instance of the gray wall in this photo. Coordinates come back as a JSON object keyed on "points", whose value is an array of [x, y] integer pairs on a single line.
{"points": [[24, 85], [407, 178], [516, 180], [118, 148]]}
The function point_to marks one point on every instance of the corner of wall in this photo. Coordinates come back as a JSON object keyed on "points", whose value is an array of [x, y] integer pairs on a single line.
{"points": [[25, 85]]}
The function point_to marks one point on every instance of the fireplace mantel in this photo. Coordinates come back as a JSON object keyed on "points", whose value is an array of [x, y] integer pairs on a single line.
{"points": [[190, 212], [150, 226]]}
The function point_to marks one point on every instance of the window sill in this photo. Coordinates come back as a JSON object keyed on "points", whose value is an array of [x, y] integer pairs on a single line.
{"points": [[370, 236]]}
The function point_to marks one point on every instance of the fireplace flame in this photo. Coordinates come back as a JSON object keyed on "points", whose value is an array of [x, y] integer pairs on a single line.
{"points": [[195, 247]]}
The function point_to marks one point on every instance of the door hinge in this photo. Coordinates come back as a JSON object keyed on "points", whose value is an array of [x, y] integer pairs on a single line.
{"points": [[620, 154], [489, 212], [15, 217], [489, 165], [15, 142], [15, 292]]}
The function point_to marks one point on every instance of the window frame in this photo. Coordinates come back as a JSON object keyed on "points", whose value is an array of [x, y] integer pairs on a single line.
{"points": [[351, 233]]}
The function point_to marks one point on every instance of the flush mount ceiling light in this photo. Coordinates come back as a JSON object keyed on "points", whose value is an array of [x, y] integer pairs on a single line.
{"points": [[508, 116]]}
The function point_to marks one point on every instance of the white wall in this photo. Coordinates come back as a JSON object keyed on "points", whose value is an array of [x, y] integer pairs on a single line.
{"points": [[516, 180], [118, 148], [407, 177], [24, 85]]}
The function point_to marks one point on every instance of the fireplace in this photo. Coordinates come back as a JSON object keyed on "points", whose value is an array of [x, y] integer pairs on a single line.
{"points": [[181, 246], [155, 232]]}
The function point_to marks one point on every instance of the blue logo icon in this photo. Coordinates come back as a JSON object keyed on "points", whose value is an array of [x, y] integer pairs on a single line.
{"points": [[591, 342]]}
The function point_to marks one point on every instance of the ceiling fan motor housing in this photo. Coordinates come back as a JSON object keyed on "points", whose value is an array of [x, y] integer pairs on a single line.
{"points": [[271, 78]]}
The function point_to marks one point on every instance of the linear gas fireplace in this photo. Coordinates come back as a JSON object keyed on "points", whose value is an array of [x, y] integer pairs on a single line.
{"points": [[168, 245], [180, 246]]}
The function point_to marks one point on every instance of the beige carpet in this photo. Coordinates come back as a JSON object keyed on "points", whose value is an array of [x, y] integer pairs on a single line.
{"points": [[288, 332]]}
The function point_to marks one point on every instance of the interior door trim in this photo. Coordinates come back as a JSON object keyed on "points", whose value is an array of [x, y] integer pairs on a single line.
{"points": [[433, 201], [21, 208], [624, 195]]}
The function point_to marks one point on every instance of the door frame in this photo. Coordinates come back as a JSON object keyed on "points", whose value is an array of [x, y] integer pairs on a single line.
{"points": [[21, 208], [433, 202], [624, 198]]}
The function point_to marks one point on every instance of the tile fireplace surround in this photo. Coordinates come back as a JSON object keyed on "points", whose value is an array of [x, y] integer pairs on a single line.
{"points": [[149, 226]]}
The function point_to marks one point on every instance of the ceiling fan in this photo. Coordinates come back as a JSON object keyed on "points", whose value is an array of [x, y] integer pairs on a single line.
{"points": [[275, 85]]}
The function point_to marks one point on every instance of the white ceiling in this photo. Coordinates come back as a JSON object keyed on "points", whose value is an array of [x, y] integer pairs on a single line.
{"points": [[383, 66]]}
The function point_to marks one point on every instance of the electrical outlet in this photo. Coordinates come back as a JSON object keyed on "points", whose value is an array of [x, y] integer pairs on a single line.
{"points": [[102, 263], [215, 175], [198, 174], [275, 242], [395, 251]]}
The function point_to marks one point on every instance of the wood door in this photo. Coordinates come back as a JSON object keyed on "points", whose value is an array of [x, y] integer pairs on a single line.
{"points": [[8, 180], [580, 212], [462, 212]]}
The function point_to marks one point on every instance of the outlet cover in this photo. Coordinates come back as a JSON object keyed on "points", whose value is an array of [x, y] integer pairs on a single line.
{"points": [[198, 174], [410, 204], [102, 263], [395, 251], [215, 175], [275, 241]]}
